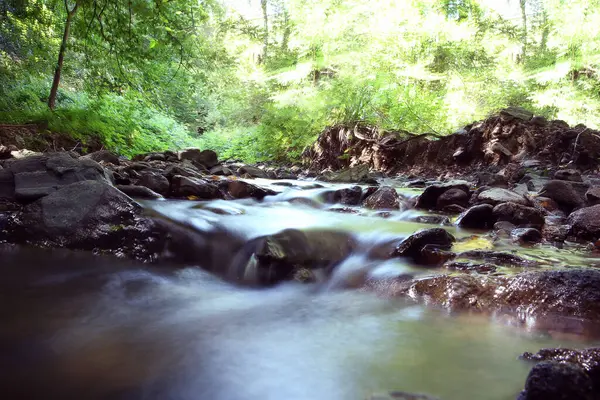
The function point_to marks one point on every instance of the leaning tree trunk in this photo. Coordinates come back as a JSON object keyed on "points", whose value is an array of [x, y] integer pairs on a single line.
{"points": [[61, 55], [263, 4], [523, 4]]}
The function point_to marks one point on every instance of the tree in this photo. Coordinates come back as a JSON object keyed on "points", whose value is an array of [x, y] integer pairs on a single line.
{"points": [[61, 54]]}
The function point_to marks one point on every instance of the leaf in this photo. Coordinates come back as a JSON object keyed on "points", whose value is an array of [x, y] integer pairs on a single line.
{"points": [[153, 43]]}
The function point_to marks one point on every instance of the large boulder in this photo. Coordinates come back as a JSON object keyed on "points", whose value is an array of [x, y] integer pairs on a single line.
{"points": [[426, 246], [207, 158], [553, 380], [428, 200], [585, 223], [87, 215], [185, 187], [519, 215], [385, 197], [565, 193], [292, 254], [477, 217], [38, 176], [498, 195], [593, 195]]}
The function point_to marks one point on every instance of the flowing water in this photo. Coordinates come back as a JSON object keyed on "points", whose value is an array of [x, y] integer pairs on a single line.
{"points": [[77, 326]]}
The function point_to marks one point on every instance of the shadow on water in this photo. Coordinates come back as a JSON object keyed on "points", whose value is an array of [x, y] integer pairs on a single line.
{"points": [[77, 326]]}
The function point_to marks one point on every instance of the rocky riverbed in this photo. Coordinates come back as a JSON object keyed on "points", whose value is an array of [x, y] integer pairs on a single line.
{"points": [[516, 241]]}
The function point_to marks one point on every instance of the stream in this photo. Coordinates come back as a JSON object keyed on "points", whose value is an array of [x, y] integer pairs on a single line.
{"points": [[81, 326]]}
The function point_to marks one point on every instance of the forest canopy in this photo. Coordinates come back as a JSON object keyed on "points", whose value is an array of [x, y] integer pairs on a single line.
{"points": [[259, 79]]}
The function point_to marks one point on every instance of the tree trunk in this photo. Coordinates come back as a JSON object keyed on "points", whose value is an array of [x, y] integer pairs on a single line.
{"points": [[61, 56], [263, 4], [524, 35], [287, 31]]}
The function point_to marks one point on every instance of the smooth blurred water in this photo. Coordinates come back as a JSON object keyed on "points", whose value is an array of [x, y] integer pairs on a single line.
{"points": [[77, 326]]}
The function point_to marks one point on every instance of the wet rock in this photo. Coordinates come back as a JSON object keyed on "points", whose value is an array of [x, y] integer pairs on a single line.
{"points": [[432, 219], [551, 380], [563, 193], [585, 223], [220, 170], [498, 257], [526, 235], [497, 196], [7, 184], [139, 192], [539, 120], [519, 215], [546, 203], [454, 209], [467, 266], [243, 190], [184, 187], [182, 169], [588, 359], [87, 215], [155, 182], [275, 258], [351, 196], [38, 176], [593, 195], [384, 198], [104, 156], [428, 200], [207, 158], [477, 217], [555, 229], [568, 175], [503, 228], [424, 246], [252, 172], [155, 157], [454, 196]]}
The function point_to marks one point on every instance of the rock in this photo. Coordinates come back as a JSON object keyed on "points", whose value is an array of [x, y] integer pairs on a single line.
{"points": [[351, 196], [552, 380], [498, 257], [503, 228], [477, 217], [429, 198], [568, 175], [498, 148], [573, 294], [184, 187], [253, 172], [139, 192], [555, 229], [88, 215], [155, 182], [454, 196], [593, 195], [454, 209], [519, 215], [221, 171], [183, 170], [155, 157], [588, 359], [38, 176], [539, 120], [432, 219], [424, 245], [104, 156], [7, 185], [242, 190], [563, 193], [491, 180], [384, 198], [497, 196], [527, 235], [358, 174], [585, 223], [485, 268], [207, 158], [275, 258], [546, 203]]}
